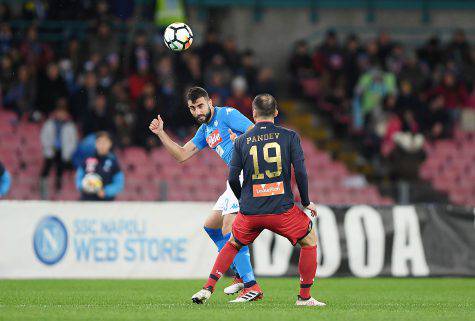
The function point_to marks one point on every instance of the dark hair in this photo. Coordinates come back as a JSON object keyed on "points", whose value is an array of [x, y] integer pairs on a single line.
{"points": [[103, 133], [196, 92], [265, 105]]}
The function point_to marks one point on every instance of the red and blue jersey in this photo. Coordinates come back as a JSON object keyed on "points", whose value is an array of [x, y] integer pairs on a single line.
{"points": [[215, 133]]}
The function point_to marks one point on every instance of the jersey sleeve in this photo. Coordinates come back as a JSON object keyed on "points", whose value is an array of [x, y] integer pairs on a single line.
{"points": [[199, 139], [236, 121], [296, 151], [235, 168]]}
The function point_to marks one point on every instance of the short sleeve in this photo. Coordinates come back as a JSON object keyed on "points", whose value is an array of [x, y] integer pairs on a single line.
{"points": [[199, 139], [236, 121], [296, 150]]}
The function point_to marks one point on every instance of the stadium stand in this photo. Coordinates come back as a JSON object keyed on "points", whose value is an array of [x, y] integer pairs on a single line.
{"points": [[138, 77]]}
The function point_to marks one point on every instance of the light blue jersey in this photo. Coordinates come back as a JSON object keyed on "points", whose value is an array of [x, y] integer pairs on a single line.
{"points": [[215, 134]]}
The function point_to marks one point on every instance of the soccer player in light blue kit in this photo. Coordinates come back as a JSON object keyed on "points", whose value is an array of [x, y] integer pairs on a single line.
{"points": [[217, 130]]}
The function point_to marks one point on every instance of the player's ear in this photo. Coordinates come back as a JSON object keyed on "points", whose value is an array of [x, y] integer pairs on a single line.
{"points": [[210, 102], [276, 113]]}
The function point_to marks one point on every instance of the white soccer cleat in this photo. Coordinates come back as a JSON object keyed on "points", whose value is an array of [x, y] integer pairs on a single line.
{"points": [[309, 303], [235, 287], [253, 293], [201, 296]]}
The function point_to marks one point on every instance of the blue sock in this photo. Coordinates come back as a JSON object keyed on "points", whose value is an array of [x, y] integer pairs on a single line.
{"points": [[242, 261], [216, 235], [220, 240]]}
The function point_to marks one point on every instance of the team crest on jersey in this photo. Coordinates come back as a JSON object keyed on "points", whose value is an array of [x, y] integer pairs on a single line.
{"points": [[214, 139], [91, 164]]}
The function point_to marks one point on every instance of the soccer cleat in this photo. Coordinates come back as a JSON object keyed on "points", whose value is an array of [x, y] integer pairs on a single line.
{"points": [[311, 302], [235, 287], [201, 296], [253, 293]]}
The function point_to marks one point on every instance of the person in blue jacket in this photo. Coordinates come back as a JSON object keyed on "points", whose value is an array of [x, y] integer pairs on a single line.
{"points": [[104, 165], [5, 181]]}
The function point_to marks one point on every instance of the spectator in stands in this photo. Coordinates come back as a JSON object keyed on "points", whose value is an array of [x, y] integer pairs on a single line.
{"points": [[431, 53], [300, 66], [100, 118], [328, 60], [459, 50], [147, 109], [59, 138], [218, 66], [436, 121], [373, 86], [239, 98], [5, 12], [7, 73], [83, 100], [51, 86], [104, 167], [265, 82], [248, 68], [141, 52], [20, 96], [138, 80], [454, 91], [210, 47], [5, 181], [104, 42], [33, 51], [352, 52], [231, 53], [6, 38]]}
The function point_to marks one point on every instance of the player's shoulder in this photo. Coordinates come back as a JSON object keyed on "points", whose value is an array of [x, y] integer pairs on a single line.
{"points": [[287, 131], [225, 110]]}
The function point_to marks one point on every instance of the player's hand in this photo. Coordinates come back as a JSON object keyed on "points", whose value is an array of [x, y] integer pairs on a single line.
{"points": [[313, 209], [101, 193], [232, 135], [156, 126]]}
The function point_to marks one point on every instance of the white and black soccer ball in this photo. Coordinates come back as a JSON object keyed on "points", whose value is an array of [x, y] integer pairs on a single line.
{"points": [[178, 36], [91, 183]]}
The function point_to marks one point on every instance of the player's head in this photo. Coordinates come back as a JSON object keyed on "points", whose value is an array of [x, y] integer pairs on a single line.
{"points": [[264, 107], [103, 143], [200, 104]]}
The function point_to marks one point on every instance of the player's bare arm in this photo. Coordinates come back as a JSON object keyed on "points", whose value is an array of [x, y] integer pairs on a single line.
{"points": [[180, 153]]}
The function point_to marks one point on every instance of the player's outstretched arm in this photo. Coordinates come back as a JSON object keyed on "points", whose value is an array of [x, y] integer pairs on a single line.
{"points": [[180, 153]]}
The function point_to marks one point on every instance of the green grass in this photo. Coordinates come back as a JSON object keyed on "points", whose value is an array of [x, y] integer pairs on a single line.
{"points": [[347, 299]]}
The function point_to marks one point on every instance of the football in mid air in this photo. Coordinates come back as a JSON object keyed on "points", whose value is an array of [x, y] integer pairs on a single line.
{"points": [[178, 36]]}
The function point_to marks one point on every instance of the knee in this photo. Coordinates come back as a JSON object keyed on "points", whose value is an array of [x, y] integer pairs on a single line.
{"points": [[233, 242], [310, 239], [228, 220], [214, 221]]}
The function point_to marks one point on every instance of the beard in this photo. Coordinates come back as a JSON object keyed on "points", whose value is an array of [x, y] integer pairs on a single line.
{"points": [[201, 120]]}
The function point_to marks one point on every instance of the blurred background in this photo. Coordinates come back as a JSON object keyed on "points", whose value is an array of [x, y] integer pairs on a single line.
{"points": [[382, 93]]}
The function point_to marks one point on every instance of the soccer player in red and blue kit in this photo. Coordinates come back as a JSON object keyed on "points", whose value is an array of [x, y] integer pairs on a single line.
{"points": [[218, 126], [265, 154]]}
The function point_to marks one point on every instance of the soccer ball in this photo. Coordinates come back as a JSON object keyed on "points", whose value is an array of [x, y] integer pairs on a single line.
{"points": [[91, 183], [178, 36]]}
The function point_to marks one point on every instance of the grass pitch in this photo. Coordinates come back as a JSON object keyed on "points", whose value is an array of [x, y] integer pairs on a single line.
{"points": [[347, 299]]}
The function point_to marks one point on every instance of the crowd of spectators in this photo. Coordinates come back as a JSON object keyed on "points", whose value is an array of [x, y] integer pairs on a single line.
{"points": [[109, 83], [392, 98]]}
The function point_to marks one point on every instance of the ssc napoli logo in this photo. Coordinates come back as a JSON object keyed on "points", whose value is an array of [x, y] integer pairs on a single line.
{"points": [[50, 240]]}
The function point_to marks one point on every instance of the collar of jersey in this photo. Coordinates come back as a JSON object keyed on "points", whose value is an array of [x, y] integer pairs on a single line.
{"points": [[211, 121]]}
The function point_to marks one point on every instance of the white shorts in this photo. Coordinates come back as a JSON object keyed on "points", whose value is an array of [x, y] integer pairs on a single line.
{"points": [[227, 203]]}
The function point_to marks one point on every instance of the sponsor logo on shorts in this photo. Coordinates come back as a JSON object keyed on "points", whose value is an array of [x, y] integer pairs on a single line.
{"points": [[214, 139], [260, 190]]}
